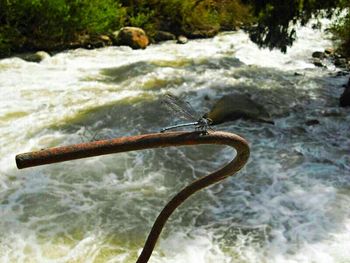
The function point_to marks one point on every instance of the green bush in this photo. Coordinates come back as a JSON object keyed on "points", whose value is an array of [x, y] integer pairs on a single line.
{"points": [[341, 30], [144, 19], [188, 16], [342, 33], [6, 39], [46, 24], [233, 14]]}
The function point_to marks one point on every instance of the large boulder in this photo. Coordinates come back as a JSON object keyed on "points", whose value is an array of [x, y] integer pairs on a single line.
{"points": [[235, 106], [344, 100], [133, 37]]}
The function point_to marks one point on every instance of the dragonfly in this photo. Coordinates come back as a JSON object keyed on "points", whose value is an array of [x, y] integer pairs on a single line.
{"points": [[183, 110]]}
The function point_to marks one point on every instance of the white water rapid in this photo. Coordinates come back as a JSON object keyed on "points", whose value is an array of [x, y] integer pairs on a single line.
{"points": [[291, 203]]}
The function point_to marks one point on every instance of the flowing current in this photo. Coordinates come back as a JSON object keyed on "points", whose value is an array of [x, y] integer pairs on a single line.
{"points": [[291, 203]]}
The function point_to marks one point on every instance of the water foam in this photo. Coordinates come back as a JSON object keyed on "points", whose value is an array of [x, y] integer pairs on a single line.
{"points": [[290, 204]]}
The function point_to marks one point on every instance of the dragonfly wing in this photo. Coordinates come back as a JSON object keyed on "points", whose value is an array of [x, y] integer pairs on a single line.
{"points": [[180, 108]]}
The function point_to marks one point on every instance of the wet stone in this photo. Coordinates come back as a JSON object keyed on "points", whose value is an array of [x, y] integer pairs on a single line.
{"points": [[329, 51], [164, 36], [181, 40], [36, 57], [344, 99], [318, 54], [312, 122], [318, 63]]}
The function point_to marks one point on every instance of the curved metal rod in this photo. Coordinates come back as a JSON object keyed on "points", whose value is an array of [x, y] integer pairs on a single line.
{"points": [[147, 141]]}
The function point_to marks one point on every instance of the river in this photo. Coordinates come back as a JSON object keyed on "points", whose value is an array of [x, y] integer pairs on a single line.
{"points": [[291, 203]]}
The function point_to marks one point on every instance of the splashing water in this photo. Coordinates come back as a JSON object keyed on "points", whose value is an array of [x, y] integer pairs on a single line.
{"points": [[290, 204]]}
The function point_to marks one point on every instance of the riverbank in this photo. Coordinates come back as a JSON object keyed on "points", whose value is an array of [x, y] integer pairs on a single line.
{"points": [[27, 26]]}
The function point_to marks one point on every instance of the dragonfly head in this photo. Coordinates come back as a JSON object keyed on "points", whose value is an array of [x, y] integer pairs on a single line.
{"points": [[206, 119]]}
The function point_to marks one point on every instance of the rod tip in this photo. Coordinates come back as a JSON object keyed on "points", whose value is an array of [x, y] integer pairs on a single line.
{"points": [[19, 162]]}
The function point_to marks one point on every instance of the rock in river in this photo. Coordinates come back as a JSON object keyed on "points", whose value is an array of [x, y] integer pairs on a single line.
{"points": [[133, 37], [35, 57], [235, 106], [181, 39], [345, 97], [319, 55], [163, 36]]}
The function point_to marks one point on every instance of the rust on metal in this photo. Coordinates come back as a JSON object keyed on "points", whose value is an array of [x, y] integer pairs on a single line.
{"points": [[148, 141]]}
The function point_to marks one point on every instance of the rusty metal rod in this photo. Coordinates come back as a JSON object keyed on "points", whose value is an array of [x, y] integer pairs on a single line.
{"points": [[147, 141]]}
